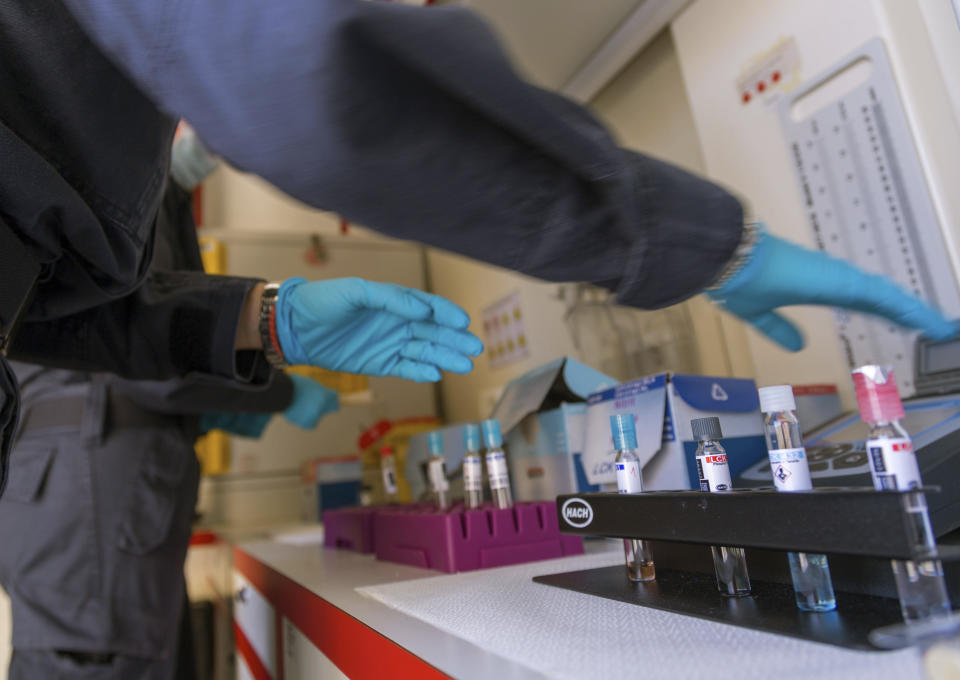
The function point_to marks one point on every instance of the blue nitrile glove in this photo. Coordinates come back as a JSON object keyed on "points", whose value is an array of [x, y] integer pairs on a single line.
{"points": [[311, 401], [249, 425], [779, 273], [373, 328]]}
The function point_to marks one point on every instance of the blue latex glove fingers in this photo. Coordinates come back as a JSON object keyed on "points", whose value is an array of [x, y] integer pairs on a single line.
{"points": [[416, 371], [445, 313], [776, 328], [365, 327], [780, 273], [461, 341], [311, 401], [444, 358], [878, 295], [250, 425]]}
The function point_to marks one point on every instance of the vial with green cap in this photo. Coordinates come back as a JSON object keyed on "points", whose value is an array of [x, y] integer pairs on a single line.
{"points": [[436, 471], [496, 464], [730, 564], [639, 560], [472, 467]]}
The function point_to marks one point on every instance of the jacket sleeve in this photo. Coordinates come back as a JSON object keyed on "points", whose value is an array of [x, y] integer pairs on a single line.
{"points": [[178, 322], [412, 121], [197, 394]]}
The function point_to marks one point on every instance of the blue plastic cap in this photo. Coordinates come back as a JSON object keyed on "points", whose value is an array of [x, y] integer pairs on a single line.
{"points": [[435, 443], [491, 433], [471, 437], [624, 431]]}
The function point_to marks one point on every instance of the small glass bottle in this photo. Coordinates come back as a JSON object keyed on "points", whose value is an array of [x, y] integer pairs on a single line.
{"points": [[639, 560], [388, 469], [812, 584], [496, 464], [730, 564], [436, 471], [472, 467], [893, 466]]}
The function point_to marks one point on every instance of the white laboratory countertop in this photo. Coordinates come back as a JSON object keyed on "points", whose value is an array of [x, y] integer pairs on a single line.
{"points": [[497, 623]]}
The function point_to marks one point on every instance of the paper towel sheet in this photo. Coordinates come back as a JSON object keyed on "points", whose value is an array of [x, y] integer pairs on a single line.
{"points": [[564, 634]]}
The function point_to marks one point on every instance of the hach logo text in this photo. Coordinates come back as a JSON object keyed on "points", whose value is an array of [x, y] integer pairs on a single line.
{"points": [[577, 512]]}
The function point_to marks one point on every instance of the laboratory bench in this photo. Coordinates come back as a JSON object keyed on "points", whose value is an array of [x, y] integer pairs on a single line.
{"points": [[305, 611]]}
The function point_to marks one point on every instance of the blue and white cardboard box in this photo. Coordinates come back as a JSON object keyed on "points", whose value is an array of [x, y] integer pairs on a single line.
{"points": [[543, 417], [663, 406]]}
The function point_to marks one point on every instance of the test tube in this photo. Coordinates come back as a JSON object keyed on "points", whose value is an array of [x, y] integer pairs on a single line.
{"points": [[388, 469], [812, 585], [639, 560], [496, 464], [893, 466], [436, 471], [472, 467], [730, 564]]}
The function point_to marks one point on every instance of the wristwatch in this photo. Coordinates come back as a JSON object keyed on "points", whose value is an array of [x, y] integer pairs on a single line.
{"points": [[268, 326]]}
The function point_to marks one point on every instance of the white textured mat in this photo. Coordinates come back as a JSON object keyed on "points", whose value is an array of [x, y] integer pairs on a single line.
{"points": [[564, 634]]}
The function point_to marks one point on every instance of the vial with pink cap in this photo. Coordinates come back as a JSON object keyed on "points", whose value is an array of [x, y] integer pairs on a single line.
{"points": [[893, 466]]}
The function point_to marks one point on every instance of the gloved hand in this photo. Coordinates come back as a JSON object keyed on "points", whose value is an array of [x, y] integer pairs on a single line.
{"points": [[779, 273], [311, 401], [250, 425], [373, 328]]}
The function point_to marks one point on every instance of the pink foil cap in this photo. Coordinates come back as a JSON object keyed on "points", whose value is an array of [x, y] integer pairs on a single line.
{"points": [[877, 394]]}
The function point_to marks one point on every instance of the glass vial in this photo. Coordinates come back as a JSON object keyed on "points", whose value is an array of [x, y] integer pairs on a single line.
{"points": [[730, 564], [388, 470], [639, 560], [496, 464], [812, 584], [436, 470], [893, 466], [472, 467]]}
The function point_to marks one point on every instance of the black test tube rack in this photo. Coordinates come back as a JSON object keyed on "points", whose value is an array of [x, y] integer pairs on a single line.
{"points": [[860, 530]]}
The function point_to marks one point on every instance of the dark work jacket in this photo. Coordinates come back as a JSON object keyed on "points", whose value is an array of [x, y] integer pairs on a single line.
{"points": [[96, 522], [407, 120]]}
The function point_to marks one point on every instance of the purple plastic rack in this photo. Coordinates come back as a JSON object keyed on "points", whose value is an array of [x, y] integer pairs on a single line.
{"points": [[350, 528], [464, 540]]}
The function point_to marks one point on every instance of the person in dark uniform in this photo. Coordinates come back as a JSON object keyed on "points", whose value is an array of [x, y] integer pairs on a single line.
{"points": [[408, 120], [98, 515]]}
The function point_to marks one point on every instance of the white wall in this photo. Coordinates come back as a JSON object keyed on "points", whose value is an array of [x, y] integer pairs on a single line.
{"points": [[744, 146]]}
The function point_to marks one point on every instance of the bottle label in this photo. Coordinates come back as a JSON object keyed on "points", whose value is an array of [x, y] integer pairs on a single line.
{"points": [[714, 472], [437, 474], [893, 464], [629, 477], [472, 474], [389, 478], [497, 470], [791, 472]]}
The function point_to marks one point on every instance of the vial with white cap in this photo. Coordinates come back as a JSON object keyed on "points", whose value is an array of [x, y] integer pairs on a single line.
{"points": [[812, 584], [436, 470], [730, 564], [893, 466], [472, 467], [496, 464], [639, 560]]}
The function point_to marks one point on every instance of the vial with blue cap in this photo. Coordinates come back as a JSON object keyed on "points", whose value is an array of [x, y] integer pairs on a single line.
{"points": [[496, 464], [472, 467], [436, 472], [639, 560]]}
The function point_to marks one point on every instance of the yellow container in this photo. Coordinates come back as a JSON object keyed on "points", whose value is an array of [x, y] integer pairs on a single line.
{"points": [[213, 451]]}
